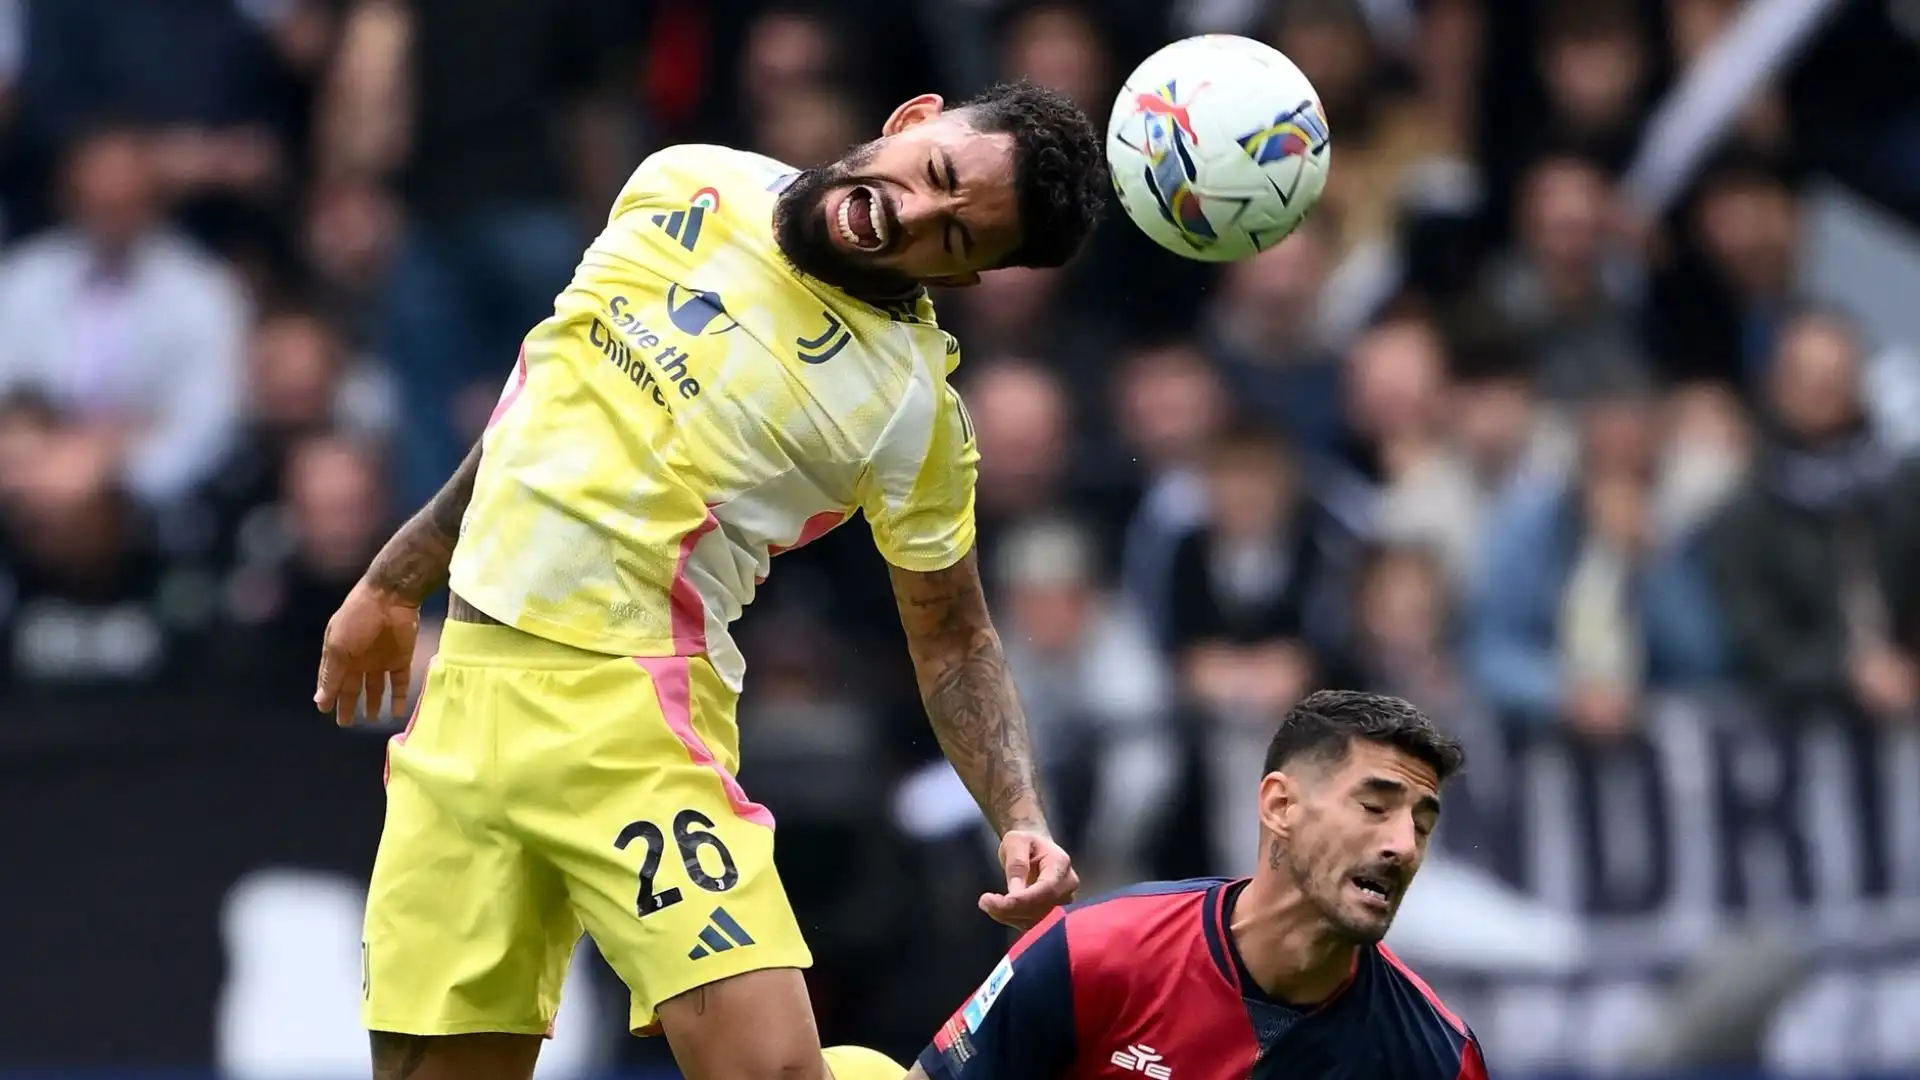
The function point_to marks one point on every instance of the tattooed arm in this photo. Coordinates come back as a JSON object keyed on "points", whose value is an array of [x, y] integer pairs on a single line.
{"points": [[367, 656], [413, 565], [968, 693], [976, 715]]}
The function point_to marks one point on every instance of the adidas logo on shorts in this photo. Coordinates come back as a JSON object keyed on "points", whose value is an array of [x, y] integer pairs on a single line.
{"points": [[720, 934]]}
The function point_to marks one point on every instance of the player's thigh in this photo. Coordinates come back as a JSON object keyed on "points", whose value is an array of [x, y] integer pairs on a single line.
{"points": [[466, 930], [668, 864], [454, 1057], [754, 1026]]}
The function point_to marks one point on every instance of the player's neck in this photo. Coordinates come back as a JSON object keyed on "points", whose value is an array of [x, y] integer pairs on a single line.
{"points": [[1286, 944]]}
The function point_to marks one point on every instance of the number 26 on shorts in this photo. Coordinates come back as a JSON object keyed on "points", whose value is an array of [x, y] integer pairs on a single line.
{"points": [[691, 833]]}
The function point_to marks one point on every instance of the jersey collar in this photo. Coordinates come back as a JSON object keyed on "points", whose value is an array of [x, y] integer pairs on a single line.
{"points": [[1217, 914]]}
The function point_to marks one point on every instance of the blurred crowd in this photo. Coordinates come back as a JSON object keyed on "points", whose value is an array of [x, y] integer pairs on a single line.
{"points": [[1481, 433]]}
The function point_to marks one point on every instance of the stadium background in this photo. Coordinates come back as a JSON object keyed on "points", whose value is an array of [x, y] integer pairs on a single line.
{"points": [[1578, 414]]}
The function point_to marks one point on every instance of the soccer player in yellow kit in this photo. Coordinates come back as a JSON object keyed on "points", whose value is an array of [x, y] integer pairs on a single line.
{"points": [[745, 357]]}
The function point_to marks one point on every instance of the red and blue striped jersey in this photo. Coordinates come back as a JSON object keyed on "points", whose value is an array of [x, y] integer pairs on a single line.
{"points": [[1147, 985]]}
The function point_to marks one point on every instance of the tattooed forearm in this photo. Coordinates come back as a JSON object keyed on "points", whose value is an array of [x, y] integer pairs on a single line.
{"points": [[414, 563], [968, 693], [983, 732]]}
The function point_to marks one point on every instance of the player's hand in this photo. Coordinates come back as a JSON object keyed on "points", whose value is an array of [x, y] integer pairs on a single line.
{"points": [[367, 655], [1040, 877]]}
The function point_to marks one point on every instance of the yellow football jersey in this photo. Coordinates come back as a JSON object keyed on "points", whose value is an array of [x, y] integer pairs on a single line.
{"points": [[693, 407]]}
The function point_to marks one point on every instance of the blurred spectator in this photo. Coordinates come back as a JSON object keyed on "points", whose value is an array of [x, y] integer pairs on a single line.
{"points": [[13, 43], [130, 330], [879, 51], [1399, 468], [1024, 424], [819, 746], [816, 753], [86, 601], [1818, 560], [1060, 46], [1094, 689], [222, 84], [491, 118], [1023, 311], [1446, 50], [1123, 285], [1563, 287], [1594, 60], [1171, 407], [1406, 633], [1692, 27], [1708, 450], [295, 368], [1265, 328], [1394, 394], [348, 240], [1491, 434], [1719, 309], [1382, 134], [1854, 103], [299, 384], [808, 128], [296, 560], [1255, 612], [1583, 604], [788, 51]]}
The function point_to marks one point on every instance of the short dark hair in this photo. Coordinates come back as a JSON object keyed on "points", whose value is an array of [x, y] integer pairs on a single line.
{"points": [[1325, 724], [1743, 166], [1586, 20], [1485, 346], [1059, 168], [1247, 438]]}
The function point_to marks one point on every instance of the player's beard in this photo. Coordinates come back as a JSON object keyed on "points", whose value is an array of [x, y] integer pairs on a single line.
{"points": [[1323, 873], [801, 228]]}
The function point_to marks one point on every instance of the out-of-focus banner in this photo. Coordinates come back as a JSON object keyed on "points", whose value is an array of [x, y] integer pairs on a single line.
{"points": [[1725, 878]]}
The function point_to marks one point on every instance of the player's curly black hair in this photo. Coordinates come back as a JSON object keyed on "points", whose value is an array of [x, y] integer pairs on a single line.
{"points": [[1325, 724], [1059, 167]]}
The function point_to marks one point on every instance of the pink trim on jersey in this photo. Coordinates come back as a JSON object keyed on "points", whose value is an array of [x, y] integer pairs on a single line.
{"points": [[812, 529], [1426, 991], [673, 687], [513, 392], [386, 766], [689, 609]]}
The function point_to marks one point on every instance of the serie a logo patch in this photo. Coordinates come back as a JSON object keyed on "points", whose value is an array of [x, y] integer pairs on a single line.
{"points": [[976, 1008]]}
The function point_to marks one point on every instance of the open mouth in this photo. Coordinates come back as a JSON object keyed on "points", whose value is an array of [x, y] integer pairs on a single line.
{"points": [[862, 221], [1377, 889]]}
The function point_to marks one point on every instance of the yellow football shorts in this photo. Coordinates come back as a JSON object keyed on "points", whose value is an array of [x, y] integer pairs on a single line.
{"points": [[540, 791]]}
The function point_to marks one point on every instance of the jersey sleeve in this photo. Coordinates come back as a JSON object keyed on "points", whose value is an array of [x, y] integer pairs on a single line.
{"points": [[918, 488], [1020, 1024], [662, 174]]}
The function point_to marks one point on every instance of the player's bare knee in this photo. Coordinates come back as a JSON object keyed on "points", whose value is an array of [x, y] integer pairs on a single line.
{"points": [[768, 1051], [754, 1026], [761, 1066]]}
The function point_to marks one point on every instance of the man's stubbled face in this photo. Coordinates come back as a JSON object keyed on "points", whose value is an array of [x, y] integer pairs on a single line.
{"points": [[932, 202], [805, 228], [1359, 837]]}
